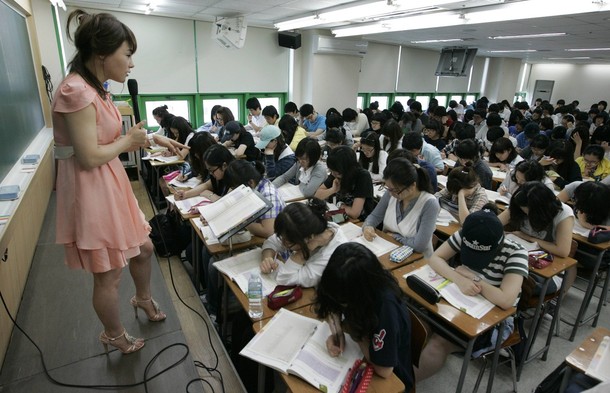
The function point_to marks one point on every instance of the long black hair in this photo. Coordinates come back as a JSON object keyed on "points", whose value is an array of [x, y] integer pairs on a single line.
{"points": [[342, 159], [352, 284], [372, 140], [542, 206], [298, 222], [401, 171]]}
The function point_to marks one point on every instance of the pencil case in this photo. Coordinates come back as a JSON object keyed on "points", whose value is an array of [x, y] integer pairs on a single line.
{"points": [[170, 176], [423, 289], [283, 295], [401, 253], [358, 378], [539, 259]]}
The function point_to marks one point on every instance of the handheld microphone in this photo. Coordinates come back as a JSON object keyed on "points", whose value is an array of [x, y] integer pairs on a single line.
{"points": [[132, 86]]}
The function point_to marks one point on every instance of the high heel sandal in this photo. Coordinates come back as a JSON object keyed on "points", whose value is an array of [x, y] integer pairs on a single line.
{"points": [[133, 344], [156, 317]]}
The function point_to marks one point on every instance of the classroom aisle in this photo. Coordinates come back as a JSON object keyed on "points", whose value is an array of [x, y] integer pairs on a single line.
{"points": [[56, 312]]}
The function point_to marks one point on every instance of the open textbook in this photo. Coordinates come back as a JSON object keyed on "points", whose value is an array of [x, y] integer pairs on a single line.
{"points": [[599, 368], [445, 218], [294, 344], [239, 268], [158, 157], [529, 246], [496, 197], [379, 246], [234, 211], [475, 306], [185, 205], [290, 192]]}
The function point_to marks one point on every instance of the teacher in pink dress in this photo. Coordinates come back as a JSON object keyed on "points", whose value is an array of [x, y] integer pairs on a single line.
{"points": [[98, 218]]}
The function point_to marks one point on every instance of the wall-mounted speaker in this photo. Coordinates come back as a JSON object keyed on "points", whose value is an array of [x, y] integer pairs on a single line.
{"points": [[288, 39]]}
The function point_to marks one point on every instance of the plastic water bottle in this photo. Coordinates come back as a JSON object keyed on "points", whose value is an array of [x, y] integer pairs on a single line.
{"points": [[325, 155], [255, 296]]}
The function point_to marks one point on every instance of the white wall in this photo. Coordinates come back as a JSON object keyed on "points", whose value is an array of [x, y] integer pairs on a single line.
{"points": [[379, 67], [417, 67], [49, 48], [587, 83]]}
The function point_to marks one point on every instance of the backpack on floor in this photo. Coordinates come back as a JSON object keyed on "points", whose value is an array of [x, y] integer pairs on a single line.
{"points": [[169, 234]]}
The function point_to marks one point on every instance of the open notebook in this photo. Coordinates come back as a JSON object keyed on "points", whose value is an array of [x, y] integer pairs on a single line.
{"points": [[294, 344], [239, 268], [475, 306], [234, 211], [379, 246]]}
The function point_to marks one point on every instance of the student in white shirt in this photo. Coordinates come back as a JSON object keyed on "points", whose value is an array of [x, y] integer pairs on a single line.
{"points": [[372, 157], [256, 120]]}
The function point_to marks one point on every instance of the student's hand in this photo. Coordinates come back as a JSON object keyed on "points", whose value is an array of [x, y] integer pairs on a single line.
{"points": [[468, 287], [268, 265], [356, 146], [443, 155], [576, 138], [336, 185], [179, 195], [171, 145], [504, 168], [137, 134], [369, 233], [503, 190], [268, 152], [453, 157], [398, 237], [333, 349], [181, 178], [166, 153], [546, 161]]}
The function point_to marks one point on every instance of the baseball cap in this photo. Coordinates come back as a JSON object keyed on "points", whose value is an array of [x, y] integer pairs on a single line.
{"points": [[268, 133], [232, 127], [482, 238]]}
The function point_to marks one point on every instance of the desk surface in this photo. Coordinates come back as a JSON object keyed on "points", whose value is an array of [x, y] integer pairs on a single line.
{"points": [[463, 322], [583, 240], [297, 385], [155, 163], [218, 248], [447, 231], [581, 356], [559, 265]]}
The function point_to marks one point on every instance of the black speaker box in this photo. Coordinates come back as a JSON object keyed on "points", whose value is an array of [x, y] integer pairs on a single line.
{"points": [[288, 39]]}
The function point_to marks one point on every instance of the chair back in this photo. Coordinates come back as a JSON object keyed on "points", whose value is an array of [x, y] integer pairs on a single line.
{"points": [[419, 337]]}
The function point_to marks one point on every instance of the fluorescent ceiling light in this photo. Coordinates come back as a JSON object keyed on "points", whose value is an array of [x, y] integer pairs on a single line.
{"points": [[437, 41], [365, 12], [150, 7], [512, 51], [586, 49], [568, 58], [524, 36], [521, 10]]}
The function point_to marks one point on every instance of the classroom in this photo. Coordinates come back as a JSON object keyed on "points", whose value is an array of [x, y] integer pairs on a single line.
{"points": [[541, 71]]}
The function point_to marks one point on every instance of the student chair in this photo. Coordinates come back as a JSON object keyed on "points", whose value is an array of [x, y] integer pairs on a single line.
{"points": [[514, 339], [419, 337]]}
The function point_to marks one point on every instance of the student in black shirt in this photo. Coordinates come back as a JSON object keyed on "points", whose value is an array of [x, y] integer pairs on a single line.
{"points": [[242, 141]]}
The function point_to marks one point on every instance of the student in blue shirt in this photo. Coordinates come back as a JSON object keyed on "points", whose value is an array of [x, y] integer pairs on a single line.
{"points": [[313, 122]]}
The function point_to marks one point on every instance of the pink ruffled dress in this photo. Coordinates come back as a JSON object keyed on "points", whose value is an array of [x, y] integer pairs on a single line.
{"points": [[98, 218]]}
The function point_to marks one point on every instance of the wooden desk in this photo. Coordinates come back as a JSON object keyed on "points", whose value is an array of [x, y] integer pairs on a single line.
{"points": [[297, 385], [468, 327], [580, 358], [155, 178], [445, 232], [598, 251]]}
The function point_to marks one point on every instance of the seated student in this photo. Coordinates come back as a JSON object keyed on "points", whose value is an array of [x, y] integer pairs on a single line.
{"points": [[408, 209], [241, 172], [334, 120], [372, 157], [182, 132], [391, 136], [308, 172], [463, 194], [198, 144], [593, 164], [536, 215], [409, 123], [524, 171], [493, 134], [212, 125], [278, 156], [560, 165], [592, 209], [355, 285], [433, 135], [292, 131], [305, 240], [492, 266], [272, 117], [467, 153], [536, 149], [223, 117], [354, 122], [313, 122], [290, 108], [334, 138], [349, 183], [503, 155], [414, 143], [402, 153], [242, 141], [462, 131], [164, 119], [530, 131], [216, 159], [256, 120]]}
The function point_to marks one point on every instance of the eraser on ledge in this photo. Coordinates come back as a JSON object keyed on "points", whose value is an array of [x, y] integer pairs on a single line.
{"points": [[10, 192], [30, 159]]}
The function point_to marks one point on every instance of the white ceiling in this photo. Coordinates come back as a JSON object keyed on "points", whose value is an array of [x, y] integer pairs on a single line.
{"points": [[590, 30]]}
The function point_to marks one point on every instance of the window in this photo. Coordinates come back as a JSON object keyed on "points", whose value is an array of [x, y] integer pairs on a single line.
{"points": [[520, 96], [359, 101], [424, 100], [266, 101], [382, 100], [175, 107], [403, 100], [231, 103], [470, 98], [456, 98], [442, 100]]}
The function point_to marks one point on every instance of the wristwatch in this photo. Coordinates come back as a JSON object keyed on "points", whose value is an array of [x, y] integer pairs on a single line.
{"points": [[476, 278]]}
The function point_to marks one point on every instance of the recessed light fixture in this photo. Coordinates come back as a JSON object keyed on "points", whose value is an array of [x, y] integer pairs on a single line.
{"points": [[586, 49], [437, 41], [512, 37], [512, 51]]}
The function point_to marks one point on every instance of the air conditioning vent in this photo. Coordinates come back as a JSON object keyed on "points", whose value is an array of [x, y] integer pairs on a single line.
{"points": [[337, 46]]}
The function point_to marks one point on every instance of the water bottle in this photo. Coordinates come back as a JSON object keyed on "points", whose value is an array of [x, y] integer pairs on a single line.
{"points": [[255, 296], [325, 155]]}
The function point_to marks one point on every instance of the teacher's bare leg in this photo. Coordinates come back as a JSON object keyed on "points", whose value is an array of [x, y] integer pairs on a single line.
{"points": [[140, 269], [106, 300]]}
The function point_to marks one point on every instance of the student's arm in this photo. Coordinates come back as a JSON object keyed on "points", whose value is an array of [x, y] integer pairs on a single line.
{"points": [[271, 247], [376, 217], [286, 176], [382, 371], [505, 217], [297, 271], [563, 238], [195, 191], [264, 228], [277, 168], [329, 188], [355, 210], [83, 134], [426, 227], [503, 296], [240, 150], [318, 175], [438, 262]]}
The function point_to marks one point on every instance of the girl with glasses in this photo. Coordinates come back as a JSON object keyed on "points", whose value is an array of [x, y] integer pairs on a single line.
{"points": [[308, 172], [372, 157], [216, 159]]}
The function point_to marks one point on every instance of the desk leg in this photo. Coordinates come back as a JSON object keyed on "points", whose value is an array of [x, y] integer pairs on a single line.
{"points": [[197, 268], [465, 364], [494, 363], [602, 298], [556, 316], [261, 379], [225, 308], [587, 299], [566, 378]]}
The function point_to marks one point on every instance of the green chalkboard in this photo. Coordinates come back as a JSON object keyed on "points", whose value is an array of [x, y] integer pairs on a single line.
{"points": [[21, 115]]}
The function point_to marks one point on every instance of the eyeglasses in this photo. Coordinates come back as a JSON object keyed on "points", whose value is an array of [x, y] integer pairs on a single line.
{"points": [[392, 190], [367, 149], [591, 163], [211, 171]]}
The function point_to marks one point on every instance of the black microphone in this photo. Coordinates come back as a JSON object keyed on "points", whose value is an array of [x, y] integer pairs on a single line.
{"points": [[132, 86]]}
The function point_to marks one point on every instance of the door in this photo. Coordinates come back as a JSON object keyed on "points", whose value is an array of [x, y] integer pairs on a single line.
{"points": [[543, 90]]}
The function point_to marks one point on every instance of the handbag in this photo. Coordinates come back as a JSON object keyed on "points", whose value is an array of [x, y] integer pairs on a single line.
{"points": [[539, 259], [283, 295], [598, 235]]}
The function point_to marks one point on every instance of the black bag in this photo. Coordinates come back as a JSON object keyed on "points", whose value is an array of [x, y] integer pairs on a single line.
{"points": [[169, 234], [552, 382]]}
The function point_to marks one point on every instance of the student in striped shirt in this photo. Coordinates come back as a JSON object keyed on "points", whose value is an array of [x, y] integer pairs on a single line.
{"points": [[492, 266]]}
